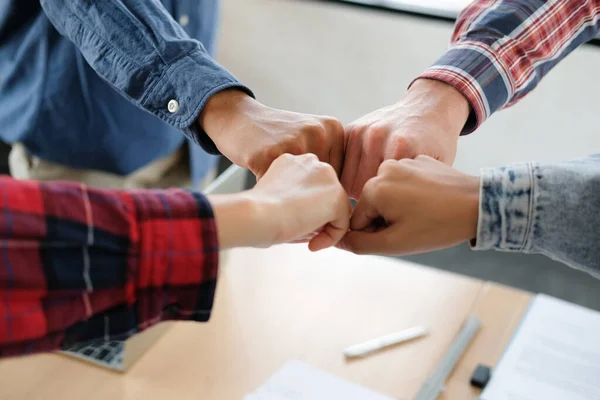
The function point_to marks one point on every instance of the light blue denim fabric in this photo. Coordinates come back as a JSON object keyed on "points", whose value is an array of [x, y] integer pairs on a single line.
{"points": [[551, 209]]}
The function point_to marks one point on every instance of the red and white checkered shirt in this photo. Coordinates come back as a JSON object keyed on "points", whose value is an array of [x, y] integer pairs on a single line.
{"points": [[80, 264], [501, 49]]}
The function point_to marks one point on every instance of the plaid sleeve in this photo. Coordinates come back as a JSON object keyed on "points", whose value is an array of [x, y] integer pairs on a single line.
{"points": [[79, 264], [501, 49]]}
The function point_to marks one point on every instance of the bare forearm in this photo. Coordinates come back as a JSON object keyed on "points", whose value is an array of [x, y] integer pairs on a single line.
{"points": [[241, 221]]}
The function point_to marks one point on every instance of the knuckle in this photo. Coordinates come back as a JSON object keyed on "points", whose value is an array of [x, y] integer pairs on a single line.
{"points": [[309, 158], [333, 124], [313, 127], [315, 133], [421, 158], [378, 132], [401, 147], [286, 157], [375, 187], [353, 131], [405, 162], [405, 168], [294, 147], [327, 170], [380, 190], [387, 167]]}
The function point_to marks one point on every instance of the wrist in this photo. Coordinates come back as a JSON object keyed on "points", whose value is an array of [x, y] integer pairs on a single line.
{"points": [[242, 221], [223, 110], [448, 105]]}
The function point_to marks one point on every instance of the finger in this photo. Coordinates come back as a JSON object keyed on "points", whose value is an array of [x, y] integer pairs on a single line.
{"points": [[309, 237], [366, 211], [370, 242], [369, 163], [313, 144], [325, 239], [335, 230], [336, 150], [352, 160]]}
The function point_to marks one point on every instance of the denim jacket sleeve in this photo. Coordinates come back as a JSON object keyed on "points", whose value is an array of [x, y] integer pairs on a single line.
{"points": [[552, 209], [142, 52]]}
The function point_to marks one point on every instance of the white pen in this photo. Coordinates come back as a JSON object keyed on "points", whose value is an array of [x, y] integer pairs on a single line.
{"points": [[370, 346]]}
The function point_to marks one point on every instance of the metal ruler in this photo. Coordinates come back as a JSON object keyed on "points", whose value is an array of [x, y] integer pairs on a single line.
{"points": [[434, 385]]}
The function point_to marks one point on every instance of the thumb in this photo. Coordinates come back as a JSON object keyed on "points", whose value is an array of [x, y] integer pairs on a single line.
{"points": [[335, 230], [326, 238]]}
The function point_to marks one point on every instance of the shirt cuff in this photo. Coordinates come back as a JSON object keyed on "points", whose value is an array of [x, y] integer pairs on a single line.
{"points": [[183, 90], [178, 258], [506, 209], [476, 71]]}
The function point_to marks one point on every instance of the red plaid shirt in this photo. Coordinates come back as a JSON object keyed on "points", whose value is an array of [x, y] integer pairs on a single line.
{"points": [[79, 264], [501, 49]]}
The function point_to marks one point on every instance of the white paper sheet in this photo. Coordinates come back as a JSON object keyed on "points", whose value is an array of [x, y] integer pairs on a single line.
{"points": [[299, 381], [555, 355]]}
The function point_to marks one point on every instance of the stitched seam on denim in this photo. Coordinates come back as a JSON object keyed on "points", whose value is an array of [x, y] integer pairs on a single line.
{"points": [[530, 214], [153, 77], [106, 42], [165, 81], [163, 77], [480, 216]]}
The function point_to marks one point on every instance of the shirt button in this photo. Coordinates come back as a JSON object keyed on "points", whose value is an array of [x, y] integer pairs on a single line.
{"points": [[184, 20], [173, 106]]}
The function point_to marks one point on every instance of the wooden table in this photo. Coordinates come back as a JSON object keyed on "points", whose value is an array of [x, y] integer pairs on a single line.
{"points": [[287, 303]]}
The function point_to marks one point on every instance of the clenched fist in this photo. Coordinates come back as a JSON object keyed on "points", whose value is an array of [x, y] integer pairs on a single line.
{"points": [[297, 196], [253, 135], [413, 206], [428, 121]]}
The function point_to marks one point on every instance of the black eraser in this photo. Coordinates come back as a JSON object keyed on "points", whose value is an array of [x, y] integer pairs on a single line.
{"points": [[481, 376]]}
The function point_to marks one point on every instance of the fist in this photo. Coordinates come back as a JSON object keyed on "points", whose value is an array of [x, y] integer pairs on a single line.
{"points": [[413, 206], [300, 196], [427, 121], [253, 135]]}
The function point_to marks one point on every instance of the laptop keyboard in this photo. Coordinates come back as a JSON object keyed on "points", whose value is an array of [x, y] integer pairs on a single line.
{"points": [[107, 354]]}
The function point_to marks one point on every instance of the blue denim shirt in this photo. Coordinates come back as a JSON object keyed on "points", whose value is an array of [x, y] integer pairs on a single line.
{"points": [[552, 209], [87, 83]]}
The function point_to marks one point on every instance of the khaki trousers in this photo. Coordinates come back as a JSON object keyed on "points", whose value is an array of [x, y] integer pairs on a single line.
{"points": [[170, 171]]}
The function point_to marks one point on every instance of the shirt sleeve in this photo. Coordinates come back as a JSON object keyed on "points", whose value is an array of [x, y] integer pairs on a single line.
{"points": [[138, 48], [80, 264], [549, 208], [501, 49]]}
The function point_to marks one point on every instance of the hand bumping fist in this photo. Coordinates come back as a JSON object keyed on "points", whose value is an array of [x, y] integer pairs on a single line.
{"points": [[253, 135], [414, 206], [428, 120], [424, 203], [297, 196]]}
